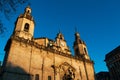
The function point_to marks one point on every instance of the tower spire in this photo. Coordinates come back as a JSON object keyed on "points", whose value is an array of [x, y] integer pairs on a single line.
{"points": [[75, 29], [77, 35], [59, 31], [59, 28]]}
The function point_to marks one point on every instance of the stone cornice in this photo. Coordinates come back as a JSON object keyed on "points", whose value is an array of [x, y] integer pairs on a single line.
{"points": [[51, 49]]}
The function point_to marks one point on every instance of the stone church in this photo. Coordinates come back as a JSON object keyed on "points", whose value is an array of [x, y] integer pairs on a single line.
{"points": [[29, 58]]}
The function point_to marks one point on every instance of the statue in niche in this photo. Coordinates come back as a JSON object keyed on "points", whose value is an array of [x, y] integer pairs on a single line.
{"points": [[67, 72], [69, 75]]}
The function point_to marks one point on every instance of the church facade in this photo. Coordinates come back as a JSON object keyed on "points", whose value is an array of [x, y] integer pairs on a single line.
{"points": [[29, 58]]}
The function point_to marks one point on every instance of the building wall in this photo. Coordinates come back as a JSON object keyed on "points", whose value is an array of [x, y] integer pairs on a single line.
{"points": [[102, 76], [112, 60], [29, 60]]}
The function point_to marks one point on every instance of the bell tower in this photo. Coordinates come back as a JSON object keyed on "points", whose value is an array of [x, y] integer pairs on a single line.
{"points": [[80, 48], [24, 26], [61, 43]]}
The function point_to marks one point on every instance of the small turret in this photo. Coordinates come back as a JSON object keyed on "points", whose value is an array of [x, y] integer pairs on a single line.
{"points": [[61, 43], [80, 48]]}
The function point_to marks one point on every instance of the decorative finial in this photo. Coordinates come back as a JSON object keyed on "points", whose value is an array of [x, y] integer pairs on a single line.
{"points": [[76, 32], [59, 28], [28, 10], [76, 29], [29, 4], [59, 31]]}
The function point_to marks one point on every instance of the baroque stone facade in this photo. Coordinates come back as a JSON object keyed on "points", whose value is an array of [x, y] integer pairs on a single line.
{"points": [[29, 58]]}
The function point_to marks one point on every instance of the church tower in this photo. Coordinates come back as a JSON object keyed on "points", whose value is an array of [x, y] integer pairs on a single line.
{"points": [[29, 58], [81, 52], [80, 48], [24, 26], [16, 65]]}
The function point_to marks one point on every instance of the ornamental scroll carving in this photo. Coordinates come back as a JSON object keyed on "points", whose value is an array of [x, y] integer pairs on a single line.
{"points": [[65, 71]]}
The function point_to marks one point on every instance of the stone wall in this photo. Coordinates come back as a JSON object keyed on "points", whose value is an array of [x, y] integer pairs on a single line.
{"points": [[28, 61]]}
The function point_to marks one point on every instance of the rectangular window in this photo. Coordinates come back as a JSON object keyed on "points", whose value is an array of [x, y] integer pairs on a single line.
{"points": [[49, 78], [36, 76]]}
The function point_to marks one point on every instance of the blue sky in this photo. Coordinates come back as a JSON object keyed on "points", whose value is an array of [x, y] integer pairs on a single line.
{"points": [[97, 21]]}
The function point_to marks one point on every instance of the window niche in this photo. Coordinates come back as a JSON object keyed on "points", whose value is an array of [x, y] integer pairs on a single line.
{"points": [[49, 78], [77, 51], [26, 27], [36, 76], [85, 50]]}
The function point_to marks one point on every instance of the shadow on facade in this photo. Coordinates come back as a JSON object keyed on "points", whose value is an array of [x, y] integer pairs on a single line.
{"points": [[11, 72]]}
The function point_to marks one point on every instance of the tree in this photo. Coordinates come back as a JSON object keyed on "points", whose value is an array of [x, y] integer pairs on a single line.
{"points": [[7, 9], [2, 28]]}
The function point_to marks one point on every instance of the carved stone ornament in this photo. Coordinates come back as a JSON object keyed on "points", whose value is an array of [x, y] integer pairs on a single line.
{"points": [[66, 71]]}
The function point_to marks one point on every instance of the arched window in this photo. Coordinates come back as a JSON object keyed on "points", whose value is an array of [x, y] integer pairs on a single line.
{"points": [[85, 50], [26, 27], [28, 11], [77, 51], [37, 77]]}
